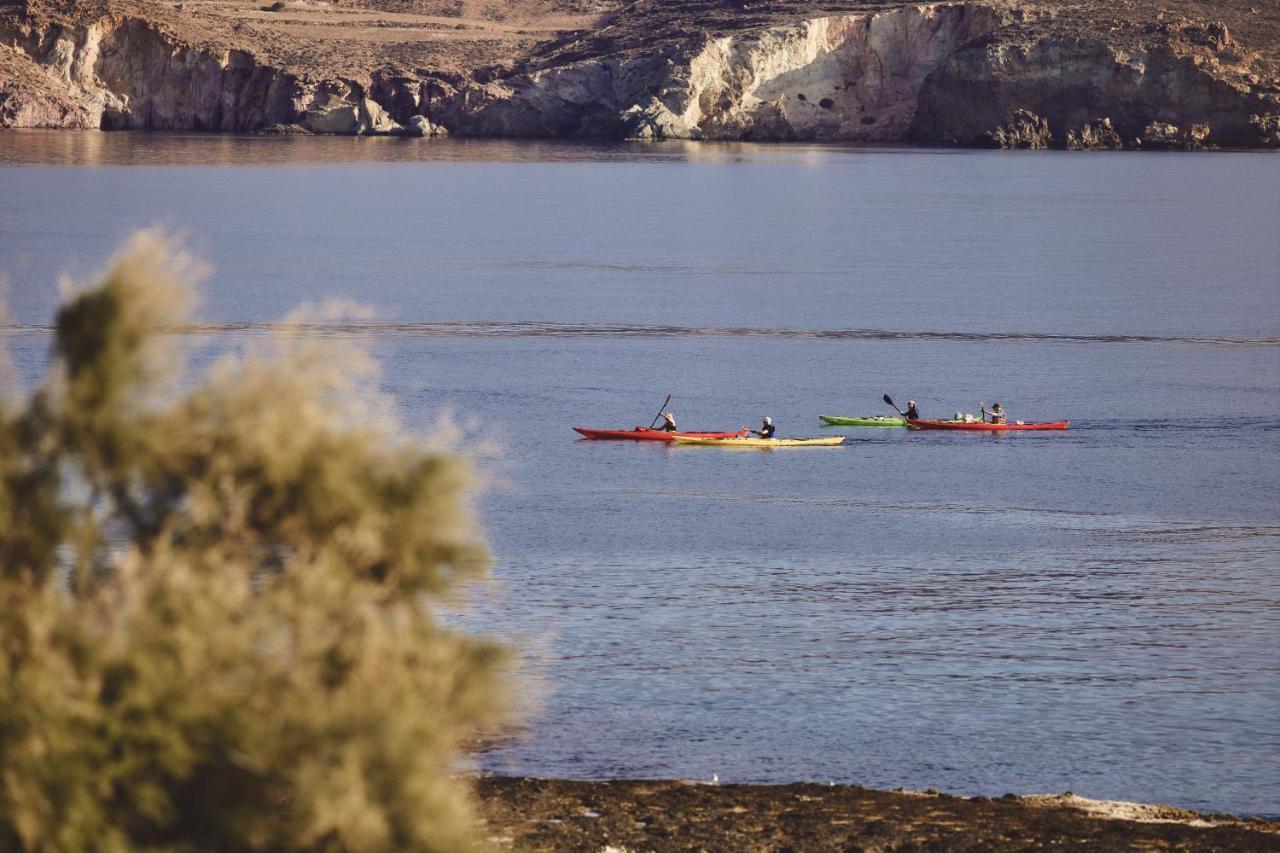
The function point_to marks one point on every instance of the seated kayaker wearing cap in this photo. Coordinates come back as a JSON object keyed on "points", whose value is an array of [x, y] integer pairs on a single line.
{"points": [[668, 422], [912, 411], [997, 414], [766, 429]]}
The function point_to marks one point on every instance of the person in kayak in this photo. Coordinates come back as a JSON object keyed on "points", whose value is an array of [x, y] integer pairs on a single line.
{"points": [[668, 422], [997, 413], [912, 411], [766, 430]]}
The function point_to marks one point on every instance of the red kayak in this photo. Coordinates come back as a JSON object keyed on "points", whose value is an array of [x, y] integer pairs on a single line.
{"points": [[983, 427], [645, 434]]}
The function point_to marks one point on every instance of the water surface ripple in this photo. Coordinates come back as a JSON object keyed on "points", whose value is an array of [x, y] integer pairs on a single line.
{"points": [[530, 328], [1095, 610]]}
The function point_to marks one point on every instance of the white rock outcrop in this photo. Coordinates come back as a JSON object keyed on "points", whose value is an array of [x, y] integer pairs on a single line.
{"points": [[839, 77], [422, 126], [846, 77]]}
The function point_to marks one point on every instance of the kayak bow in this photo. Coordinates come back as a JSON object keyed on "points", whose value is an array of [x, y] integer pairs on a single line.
{"points": [[646, 434], [979, 426]]}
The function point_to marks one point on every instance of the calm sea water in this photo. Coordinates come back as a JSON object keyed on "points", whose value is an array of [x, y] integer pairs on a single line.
{"points": [[1096, 610]]}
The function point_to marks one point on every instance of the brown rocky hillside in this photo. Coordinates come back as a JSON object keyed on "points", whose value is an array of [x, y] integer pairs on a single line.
{"points": [[1131, 73]]}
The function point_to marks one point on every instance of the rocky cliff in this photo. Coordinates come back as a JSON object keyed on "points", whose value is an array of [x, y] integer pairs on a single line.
{"points": [[129, 73], [840, 77], [996, 73]]}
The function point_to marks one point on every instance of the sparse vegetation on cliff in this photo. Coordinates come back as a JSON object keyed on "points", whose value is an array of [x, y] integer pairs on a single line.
{"points": [[213, 631], [968, 73]]}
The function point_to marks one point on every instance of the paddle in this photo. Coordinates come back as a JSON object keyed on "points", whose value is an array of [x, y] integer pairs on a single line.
{"points": [[661, 409], [889, 400]]}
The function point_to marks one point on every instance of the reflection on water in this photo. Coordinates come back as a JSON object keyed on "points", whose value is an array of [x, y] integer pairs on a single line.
{"points": [[137, 148]]}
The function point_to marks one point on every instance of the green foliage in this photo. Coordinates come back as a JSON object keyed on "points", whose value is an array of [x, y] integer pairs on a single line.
{"points": [[213, 631]]}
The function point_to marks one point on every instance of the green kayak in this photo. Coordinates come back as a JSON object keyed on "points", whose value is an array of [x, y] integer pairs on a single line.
{"points": [[880, 421]]}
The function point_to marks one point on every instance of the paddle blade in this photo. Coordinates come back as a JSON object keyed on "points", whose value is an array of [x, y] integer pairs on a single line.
{"points": [[889, 400]]}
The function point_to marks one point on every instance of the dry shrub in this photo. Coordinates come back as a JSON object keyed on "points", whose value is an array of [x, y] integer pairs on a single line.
{"points": [[213, 620]]}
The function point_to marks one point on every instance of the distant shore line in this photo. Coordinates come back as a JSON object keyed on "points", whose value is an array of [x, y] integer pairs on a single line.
{"points": [[525, 813]]}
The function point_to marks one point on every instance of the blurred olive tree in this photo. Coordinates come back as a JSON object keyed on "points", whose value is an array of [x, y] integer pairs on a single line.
{"points": [[213, 631]]}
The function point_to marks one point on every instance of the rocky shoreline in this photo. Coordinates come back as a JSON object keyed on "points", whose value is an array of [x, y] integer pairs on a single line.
{"points": [[561, 815], [994, 73]]}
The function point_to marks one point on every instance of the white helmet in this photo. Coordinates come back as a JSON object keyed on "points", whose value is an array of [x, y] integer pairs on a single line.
{"points": [[769, 421], [668, 416]]}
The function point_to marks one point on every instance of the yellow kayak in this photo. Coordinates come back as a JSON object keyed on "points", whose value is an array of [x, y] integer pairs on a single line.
{"points": [[825, 441]]}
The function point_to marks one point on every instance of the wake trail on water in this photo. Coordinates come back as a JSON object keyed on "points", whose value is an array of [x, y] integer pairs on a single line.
{"points": [[1093, 520], [531, 329]]}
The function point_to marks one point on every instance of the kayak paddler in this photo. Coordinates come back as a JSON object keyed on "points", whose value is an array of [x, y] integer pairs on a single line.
{"points": [[912, 412], [766, 430], [668, 422], [997, 413]]}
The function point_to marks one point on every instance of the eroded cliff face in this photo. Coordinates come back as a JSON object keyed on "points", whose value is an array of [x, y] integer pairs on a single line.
{"points": [[128, 74], [851, 77], [117, 74], [1074, 84], [962, 73], [845, 77]]}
